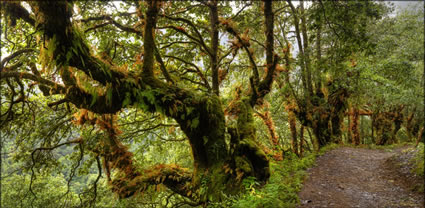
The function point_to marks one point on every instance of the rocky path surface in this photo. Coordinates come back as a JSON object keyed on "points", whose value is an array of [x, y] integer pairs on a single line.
{"points": [[357, 177]]}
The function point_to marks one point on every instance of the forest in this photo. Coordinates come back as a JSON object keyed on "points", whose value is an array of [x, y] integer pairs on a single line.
{"points": [[206, 103]]}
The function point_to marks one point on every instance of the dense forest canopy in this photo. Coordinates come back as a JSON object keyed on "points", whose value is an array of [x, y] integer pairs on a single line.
{"points": [[167, 103]]}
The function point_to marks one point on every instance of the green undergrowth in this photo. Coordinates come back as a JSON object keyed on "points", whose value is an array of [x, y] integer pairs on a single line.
{"points": [[389, 147], [418, 161], [328, 148], [282, 189], [418, 166]]}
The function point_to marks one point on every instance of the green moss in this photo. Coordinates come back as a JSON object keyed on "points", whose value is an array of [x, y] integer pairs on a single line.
{"points": [[212, 185], [245, 123], [243, 164], [419, 161], [328, 148], [247, 146]]}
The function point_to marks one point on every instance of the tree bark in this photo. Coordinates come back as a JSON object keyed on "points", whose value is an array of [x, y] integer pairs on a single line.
{"points": [[293, 128], [354, 126], [420, 133], [383, 127], [300, 47], [301, 140], [397, 121], [318, 79], [387, 125], [306, 49], [214, 46], [337, 101]]}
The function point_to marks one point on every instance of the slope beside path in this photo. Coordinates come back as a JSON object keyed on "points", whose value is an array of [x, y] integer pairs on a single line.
{"points": [[357, 177]]}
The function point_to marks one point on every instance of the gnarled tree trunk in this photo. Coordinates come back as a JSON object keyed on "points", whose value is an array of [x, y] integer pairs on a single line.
{"points": [[218, 167], [387, 124], [354, 126]]}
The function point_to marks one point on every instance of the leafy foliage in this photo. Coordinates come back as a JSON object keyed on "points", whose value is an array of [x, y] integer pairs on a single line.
{"points": [[185, 104], [419, 161]]}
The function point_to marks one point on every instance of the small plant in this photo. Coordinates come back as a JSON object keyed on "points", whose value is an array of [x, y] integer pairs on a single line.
{"points": [[282, 188], [419, 160], [327, 148], [249, 183]]}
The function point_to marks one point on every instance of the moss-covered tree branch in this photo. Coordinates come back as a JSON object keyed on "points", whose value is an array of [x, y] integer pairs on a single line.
{"points": [[16, 11], [67, 46]]}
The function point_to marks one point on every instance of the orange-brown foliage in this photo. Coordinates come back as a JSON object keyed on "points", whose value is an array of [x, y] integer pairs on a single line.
{"points": [[354, 126], [221, 75]]}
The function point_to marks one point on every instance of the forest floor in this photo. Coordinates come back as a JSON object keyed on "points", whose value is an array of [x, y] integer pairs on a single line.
{"points": [[358, 177]]}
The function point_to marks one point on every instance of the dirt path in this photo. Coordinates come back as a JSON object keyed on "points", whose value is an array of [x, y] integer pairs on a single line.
{"points": [[355, 177]]}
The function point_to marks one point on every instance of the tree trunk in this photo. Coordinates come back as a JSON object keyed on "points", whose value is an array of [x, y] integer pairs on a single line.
{"points": [[293, 128], [214, 46], [409, 125], [349, 133], [301, 49], [313, 141], [324, 112], [337, 101], [397, 121], [249, 159], [301, 140], [354, 126], [383, 127], [420, 133], [322, 133], [387, 125], [306, 55], [319, 69], [273, 137]]}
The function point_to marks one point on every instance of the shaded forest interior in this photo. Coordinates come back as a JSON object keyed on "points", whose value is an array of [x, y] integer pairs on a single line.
{"points": [[199, 103]]}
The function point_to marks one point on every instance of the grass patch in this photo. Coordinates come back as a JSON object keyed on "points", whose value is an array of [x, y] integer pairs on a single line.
{"points": [[418, 161], [328, 148], [287, 177], [388, 147], [418, 166]]}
